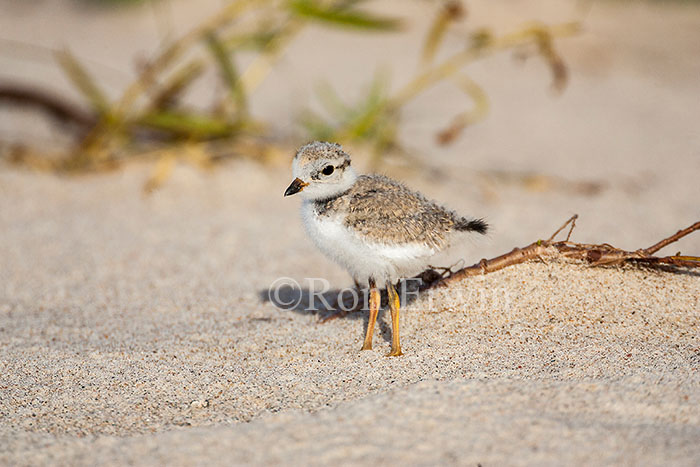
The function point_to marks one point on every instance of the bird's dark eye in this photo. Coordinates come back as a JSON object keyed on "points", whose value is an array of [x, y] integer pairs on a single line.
{"points": [[327, 170]]}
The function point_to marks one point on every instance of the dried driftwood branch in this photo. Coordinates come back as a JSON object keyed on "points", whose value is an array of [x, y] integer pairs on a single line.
{"points": [[595, 255]]}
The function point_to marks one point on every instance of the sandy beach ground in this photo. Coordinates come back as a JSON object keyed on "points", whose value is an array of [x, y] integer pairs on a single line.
{"points": [[137, 329]]}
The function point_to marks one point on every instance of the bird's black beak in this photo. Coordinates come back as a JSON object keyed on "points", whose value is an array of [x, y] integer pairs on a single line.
{"points": [[296, 186]]}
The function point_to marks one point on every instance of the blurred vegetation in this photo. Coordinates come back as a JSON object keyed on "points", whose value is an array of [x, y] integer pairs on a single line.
{"points": [[150, 118], [111, 2]]}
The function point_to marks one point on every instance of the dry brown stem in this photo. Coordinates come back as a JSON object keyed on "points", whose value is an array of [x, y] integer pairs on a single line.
{"points": [[673, 238], [53, 104], [593, 255]]}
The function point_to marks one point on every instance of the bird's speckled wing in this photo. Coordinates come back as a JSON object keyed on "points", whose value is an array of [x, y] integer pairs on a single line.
{"points": [[385, 211]]}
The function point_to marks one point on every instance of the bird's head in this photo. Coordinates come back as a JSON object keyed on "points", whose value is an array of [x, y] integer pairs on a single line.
{"points": [[321, 170]]}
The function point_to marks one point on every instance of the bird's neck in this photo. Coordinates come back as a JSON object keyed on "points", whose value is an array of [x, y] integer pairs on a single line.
{"points": [[322, 193]]}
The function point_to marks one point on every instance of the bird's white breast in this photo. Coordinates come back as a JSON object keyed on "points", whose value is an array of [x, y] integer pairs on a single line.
{"points": [[361, 256]]}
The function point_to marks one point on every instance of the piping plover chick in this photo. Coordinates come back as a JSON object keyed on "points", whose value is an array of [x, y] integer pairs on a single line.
{"points": [[375, 227]]}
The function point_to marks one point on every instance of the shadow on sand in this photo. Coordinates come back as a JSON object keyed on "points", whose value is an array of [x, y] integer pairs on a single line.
{"points": [[350, 303]]}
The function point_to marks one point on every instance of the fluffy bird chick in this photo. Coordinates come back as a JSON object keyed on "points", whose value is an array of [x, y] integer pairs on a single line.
{"points": [[373, 226]]}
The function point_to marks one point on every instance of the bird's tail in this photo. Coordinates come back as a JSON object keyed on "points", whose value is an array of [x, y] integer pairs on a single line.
{"points": [[471, 225]]}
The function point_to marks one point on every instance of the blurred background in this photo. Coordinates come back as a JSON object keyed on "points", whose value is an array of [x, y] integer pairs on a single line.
{"points": [[522, 112], [145, 147]]}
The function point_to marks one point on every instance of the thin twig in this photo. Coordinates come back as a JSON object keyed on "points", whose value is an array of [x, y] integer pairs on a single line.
{"points": [[572, 221], [673, 238], [595, 255]]}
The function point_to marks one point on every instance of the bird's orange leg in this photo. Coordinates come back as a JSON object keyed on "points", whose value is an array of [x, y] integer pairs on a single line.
{"points": [[394, 304], [374, 300]]}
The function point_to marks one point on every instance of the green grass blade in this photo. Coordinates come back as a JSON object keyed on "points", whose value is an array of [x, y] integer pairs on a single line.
{"points": [[228, 72], [256, 41], [370, 113], [181, 124], [168, 94], [342, 16], [82, 80]]}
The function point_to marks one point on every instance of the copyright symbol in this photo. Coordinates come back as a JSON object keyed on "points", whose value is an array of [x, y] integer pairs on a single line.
{"points": [[284, 293]]}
